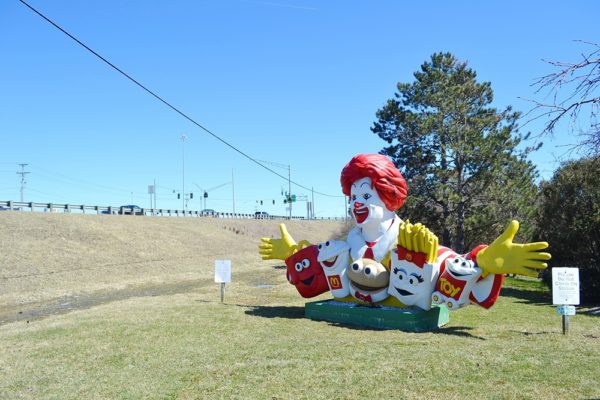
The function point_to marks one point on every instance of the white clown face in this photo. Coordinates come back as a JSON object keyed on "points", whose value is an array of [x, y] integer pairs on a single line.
{"points": [[411, 284], [365, 203]]}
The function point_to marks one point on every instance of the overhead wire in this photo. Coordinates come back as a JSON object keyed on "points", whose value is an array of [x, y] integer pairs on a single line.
{"points": [[178, 111]]}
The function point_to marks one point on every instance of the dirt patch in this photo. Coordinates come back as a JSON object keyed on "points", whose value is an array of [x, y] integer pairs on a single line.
{"points": [[32, 311]]}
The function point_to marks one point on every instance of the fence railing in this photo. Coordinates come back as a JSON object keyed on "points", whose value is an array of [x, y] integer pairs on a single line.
{"points": [[130, 210]]}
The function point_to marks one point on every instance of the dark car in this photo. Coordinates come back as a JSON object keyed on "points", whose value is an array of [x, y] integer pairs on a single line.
{"points": [[130, 209], [208, 211]]}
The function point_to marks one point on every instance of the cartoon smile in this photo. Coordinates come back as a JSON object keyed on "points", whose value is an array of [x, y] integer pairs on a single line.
{"points": [[308, 281], [329, 262], [403, 292], [459, 274], [366, 288], [362, 213]]}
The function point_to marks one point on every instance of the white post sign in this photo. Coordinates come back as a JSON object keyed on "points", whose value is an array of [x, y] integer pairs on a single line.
{"points": [[565, 293], [565, 286], [222, 274]]}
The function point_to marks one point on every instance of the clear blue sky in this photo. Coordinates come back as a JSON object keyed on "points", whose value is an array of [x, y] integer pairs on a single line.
{"points": [[294, 82]]}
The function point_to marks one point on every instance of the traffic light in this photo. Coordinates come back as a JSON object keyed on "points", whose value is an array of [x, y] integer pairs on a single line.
{"points": [[179, 195], [191, 195], [205, 194]]}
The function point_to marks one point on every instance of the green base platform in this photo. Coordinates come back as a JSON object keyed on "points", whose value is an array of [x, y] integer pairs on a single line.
{"points": [[404, 319]]}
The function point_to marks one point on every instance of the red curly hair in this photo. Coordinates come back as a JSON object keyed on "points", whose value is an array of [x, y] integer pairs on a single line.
{"points": [[385, 177]]}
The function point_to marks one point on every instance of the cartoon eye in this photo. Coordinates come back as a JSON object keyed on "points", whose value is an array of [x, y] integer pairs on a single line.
{"points": [[367, 196], [367, 271], [463, 264], [415, 279], [401, 277], [327, 243], [456, 260], [298, 267], [306, 263], [353, 197], [320, 246], [355, 267]]}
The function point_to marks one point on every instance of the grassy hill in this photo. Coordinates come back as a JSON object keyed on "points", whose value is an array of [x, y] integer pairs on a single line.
{"points": [[121, 307], [51, 259]]}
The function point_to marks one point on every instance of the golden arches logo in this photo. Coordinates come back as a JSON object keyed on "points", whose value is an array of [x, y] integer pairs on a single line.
{"points": [[335, 282]]}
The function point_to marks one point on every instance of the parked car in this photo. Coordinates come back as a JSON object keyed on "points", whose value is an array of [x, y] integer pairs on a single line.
{"points": [[261, 215], [130, 210], [208, 211]]}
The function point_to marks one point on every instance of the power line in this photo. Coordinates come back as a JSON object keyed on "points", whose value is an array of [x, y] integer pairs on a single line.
{"points": [[156, 96]]}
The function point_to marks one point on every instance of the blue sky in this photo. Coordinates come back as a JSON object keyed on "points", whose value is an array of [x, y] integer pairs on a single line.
{"points": [[292, 82]]}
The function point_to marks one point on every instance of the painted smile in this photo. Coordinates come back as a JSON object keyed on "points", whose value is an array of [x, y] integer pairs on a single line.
{"points": [[330, 262], [361, 214], [366, 288], [308, 281], [403, 292], [459, 274]]}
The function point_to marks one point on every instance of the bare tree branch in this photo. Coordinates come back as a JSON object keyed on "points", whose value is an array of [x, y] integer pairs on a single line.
{"points": [[574, 88]]}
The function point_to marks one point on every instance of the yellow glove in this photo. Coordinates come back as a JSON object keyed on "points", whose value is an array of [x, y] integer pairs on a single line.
{"points": [[278, 249], [505, 257], [419, 239]]}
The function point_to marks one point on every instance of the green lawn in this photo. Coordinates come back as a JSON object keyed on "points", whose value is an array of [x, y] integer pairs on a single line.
{"points": [[258, 345]]}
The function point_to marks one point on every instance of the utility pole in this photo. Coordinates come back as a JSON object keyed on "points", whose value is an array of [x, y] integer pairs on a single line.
{"points": [[312, 203], [290, 187], [183, 202], [23, 181]]}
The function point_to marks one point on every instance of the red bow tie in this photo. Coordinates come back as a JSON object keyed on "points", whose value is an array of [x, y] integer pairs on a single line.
{"points": [[362, 297]]}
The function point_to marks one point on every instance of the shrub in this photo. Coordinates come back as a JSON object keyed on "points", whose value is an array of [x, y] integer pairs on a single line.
{"points": [[569, 219]]}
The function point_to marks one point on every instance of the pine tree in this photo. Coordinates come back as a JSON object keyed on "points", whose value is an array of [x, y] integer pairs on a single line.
{"points": [[458, 154]]}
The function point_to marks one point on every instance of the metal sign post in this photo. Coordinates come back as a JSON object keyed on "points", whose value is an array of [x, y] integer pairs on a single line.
{"points": [[565, 293], [222, 274]]}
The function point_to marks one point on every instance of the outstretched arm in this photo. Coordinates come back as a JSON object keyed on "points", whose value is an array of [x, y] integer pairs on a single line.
{"points": [[505, 257], [278, 249]]}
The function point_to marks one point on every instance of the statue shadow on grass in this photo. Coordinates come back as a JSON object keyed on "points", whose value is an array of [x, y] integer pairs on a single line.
{"points": [[534, 297], [288, 312], [460, 331]]}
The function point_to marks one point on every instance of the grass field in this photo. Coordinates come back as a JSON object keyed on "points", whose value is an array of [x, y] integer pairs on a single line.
{"points": [[125, 308]]}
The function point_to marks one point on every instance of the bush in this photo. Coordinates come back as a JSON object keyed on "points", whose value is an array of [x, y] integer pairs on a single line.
{"points": [[569, 219]]}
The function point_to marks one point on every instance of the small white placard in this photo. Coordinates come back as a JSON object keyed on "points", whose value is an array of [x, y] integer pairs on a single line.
{"points": [[565, 286], [223, 271]]}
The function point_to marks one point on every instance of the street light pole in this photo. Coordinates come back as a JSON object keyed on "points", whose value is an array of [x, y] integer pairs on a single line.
{"points": [[232, 191], [183, 137], [290, 188]]}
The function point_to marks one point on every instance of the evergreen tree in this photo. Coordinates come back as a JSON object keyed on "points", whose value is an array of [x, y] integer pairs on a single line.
{"points": [[570, 221], [459, 155]]}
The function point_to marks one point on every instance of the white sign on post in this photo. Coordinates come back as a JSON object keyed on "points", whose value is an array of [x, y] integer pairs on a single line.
{"points": [[565, 286], [223, 271]]}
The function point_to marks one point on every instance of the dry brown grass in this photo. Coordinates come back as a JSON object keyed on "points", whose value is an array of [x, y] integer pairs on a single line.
{"points": [[48, 257]]}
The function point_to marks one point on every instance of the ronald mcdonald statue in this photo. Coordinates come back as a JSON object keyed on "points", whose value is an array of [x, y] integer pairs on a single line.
{"points": [[388, 262]]}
